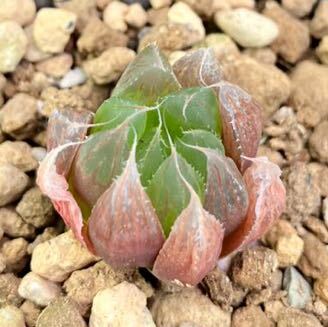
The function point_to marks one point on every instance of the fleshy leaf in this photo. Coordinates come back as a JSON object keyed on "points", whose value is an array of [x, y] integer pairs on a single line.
{"points": [[195, 108], [99, 160], [267, 197], [242, 123], [66, 126], [198, 68], [55, 186], [200, 138], [193, 246], [147, 78], [168, 192], [225, 195], [123, 226], [150, 154], [115, 111]]}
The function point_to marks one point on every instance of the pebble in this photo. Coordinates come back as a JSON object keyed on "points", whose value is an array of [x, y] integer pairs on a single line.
{"points": [[11, 316], [83, 285], [35, 208], [62, 312], [57, 258], [293, 39], [293, 317], [46, 235], [310, 100], [33, 53], [13, 225], [12, 183], [262, 55], [13, 45], [15, 252], [72, 78], [188, 306], [109, 66], [136, 16], [322, 50], [31, 312], [19, 116], [52, 29], [298, 8], [319, 142], [98, 37], [250, 316], [253, 268], [38, 290], [181, 13], [56, 66], [157, 4], [309, 263], [317, 227], [114, 15], [299, 291], [39, 153], [321, 288], [19, 154], [266, 83], [9, 284], [289, 250], [303, 195], [319, 23], [122, 305], [247, 27], [223, 46], [319, 173], [21, 11]]}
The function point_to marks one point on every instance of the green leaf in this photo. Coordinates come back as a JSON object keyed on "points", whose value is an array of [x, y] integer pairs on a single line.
{"points": [[200, 138], [194, 108], [147, 78], [168, 191], [98, 161], [115, 111], [150, 154]]}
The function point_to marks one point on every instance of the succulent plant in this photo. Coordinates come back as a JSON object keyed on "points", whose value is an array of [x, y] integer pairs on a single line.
{"points": [[163, 175]]}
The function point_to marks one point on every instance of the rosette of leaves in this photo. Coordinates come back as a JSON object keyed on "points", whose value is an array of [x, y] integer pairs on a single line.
{"points": [[163, 175]]}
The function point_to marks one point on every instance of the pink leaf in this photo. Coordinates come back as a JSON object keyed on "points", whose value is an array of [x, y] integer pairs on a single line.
{"points": [[193, 246], [123, 225], [242, 123], [267, 196]]}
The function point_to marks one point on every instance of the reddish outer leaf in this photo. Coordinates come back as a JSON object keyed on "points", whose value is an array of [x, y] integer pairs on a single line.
{"points": [[267, 196], [242, 123], [193, 246], [123, 225], [55, 187], [198, 68], [226, 196], [65, 126]]}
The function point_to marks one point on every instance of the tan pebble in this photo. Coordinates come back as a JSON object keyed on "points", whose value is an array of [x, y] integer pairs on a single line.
{"points": [[109, 66], [52, 29], [310, 100], [319, 23], [9, 284], [299, 8], [322, 50], [114, 15], [11, 316], [289, 250], [157, 4], [263, 55], [136, 16], [13, 45], [14, 251], [57, 258], [319, 173], [12, 183], [56, 66], [293, 317], [321, 289], [293, 39], [317, 227], [250, 316], [31, 312], [21, 11]]}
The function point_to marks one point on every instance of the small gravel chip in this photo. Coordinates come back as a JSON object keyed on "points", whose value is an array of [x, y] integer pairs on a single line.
{"points": [[11, 316]]}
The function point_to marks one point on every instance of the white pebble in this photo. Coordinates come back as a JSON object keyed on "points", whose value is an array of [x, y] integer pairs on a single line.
{"points": [[247, 27], [38, 290], [74, 77]]}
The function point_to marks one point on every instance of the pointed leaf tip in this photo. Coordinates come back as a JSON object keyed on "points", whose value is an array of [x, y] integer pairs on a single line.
{"points": [[193, 246], [123, 225], [267, 197]]}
